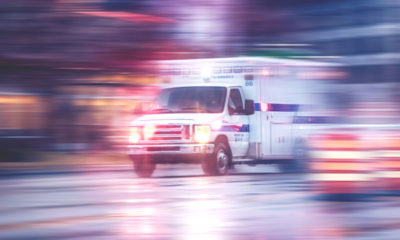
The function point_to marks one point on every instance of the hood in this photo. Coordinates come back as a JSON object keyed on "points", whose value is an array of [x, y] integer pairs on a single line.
{"points": [[178, 118]]}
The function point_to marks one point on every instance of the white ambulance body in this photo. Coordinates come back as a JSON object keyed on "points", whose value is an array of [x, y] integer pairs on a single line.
{"points": [[221, 112]]}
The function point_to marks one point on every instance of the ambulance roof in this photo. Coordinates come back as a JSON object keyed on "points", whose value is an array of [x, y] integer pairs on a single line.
{"points": [[199, 85], [253, 60]]}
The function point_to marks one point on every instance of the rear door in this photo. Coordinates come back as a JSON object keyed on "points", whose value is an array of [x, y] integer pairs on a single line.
{"points": [[276, 116], [281, 129]]}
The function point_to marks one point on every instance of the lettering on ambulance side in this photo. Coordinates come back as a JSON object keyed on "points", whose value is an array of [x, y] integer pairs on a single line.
{"points": [[249, 80], [223, 70], [249, 83], [239, 137], [222, 76], [239, 131]]}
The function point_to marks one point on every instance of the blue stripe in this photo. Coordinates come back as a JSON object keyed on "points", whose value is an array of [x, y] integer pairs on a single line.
{"points": [[278, 107], [316, 119], [235, 128], [275, 107]]}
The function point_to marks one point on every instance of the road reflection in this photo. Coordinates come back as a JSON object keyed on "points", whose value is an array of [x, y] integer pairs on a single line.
{"points": [[251, 206]]}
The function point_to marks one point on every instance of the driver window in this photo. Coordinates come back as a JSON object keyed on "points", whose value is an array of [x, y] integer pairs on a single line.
{"points": [[235, 102]]}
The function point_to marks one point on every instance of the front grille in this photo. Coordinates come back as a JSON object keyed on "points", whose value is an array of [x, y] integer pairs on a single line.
{"points": [[171, 132], [162, 149]]}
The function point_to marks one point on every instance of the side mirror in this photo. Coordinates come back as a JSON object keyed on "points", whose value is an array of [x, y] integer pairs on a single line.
{"points": [[249, 107]]}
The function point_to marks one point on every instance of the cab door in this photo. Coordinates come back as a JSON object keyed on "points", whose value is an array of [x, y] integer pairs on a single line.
{"points": [[237, 127]]}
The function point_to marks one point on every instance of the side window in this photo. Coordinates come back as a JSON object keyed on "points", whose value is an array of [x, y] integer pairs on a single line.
{"points": [[235, 102]]}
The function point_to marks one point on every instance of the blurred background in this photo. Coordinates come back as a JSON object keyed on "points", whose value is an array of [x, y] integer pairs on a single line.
{"points": [[73, 70], [75, 73]]}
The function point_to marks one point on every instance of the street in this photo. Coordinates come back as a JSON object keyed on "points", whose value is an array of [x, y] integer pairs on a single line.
{"points": [[180, 203]]}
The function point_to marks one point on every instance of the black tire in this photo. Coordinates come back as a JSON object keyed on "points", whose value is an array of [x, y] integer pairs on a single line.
{"points": [[219, 162], [144, 167], [205, 166]]}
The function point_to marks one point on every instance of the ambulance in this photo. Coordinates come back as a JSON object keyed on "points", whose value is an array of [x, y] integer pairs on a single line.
{"points": [[227, 111]]}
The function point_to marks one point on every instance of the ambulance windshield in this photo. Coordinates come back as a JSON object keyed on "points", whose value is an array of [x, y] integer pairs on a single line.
{"points": [[191, 100]]}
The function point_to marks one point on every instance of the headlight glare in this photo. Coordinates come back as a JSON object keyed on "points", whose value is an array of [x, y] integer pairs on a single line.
{"points": [[148, 131], [135, 135], [202, 133]]}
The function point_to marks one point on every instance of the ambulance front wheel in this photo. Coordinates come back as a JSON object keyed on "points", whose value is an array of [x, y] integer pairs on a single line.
{"points": [[143, 167], [217, 163]]}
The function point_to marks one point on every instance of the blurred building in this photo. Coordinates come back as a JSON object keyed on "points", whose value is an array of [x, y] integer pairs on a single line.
{"points": [[361, 34], [72, 70], [92, 56]]}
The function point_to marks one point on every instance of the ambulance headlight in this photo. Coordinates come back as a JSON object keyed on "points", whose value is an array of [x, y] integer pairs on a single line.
{"points": [[148, 131], [202, 133], [135, 135]]}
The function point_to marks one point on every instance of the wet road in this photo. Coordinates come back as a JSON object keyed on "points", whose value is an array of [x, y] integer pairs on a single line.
{"points": [[180, 203]]}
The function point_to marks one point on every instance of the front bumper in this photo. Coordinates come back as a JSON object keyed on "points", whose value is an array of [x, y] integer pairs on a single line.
{"points": [[172, 149]]}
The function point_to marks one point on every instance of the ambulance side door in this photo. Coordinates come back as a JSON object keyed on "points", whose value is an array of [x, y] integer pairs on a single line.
{"points": [[238, 126]]}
